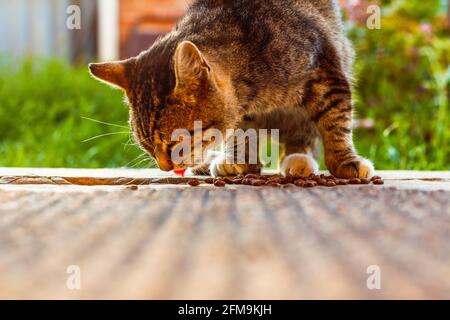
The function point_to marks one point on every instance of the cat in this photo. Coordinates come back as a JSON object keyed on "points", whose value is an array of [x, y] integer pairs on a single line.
{"points": [[247, 64]]}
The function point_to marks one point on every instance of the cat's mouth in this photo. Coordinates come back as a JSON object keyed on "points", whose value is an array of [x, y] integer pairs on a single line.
{"points": [[177, 159], [164, 162], [191, 150], [196, 156]]}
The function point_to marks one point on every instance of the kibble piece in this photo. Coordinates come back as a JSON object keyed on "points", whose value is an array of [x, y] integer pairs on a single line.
{"points": [[378, 182], [322, 182], [376, 178], [343, 182], [274, 185], [274, 180], [194, 183], [300, 183], [251, 176], [310, 184], [286, 180], [220, 183], [355, 181], [247, 181], [365, 181], [237, 181], [331, 183], [228, 180], [209, 180], [258, 182], [133, 187]]}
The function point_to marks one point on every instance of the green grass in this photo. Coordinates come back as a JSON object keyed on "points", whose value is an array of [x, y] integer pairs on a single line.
{"points": [[42, 105], [42, 124], [403, 82]]}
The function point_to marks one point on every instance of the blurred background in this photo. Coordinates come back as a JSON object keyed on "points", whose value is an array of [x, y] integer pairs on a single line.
{"points": [[53, 114]]}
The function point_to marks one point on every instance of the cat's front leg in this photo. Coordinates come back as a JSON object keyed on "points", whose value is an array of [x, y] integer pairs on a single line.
{"points": [[216, 165], [332, 113], [240, 155], [220, 168], [204, 168]]}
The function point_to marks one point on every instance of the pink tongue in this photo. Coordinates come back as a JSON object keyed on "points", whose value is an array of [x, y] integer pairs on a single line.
{"points": [[179, 172]]}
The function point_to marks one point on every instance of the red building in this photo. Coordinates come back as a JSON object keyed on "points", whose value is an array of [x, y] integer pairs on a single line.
{"points": [[141, 22]]}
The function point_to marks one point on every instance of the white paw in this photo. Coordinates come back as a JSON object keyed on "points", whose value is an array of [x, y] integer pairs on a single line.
{"points": [[365, 169], [220, 168], [299, 165]]}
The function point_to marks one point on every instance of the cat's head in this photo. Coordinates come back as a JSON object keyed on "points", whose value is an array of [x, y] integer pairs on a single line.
{"points": [[169, 87]]}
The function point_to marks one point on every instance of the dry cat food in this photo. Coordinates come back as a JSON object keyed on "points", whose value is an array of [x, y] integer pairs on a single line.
{"points": [[194, 183], [313, 180], [219, 183]]}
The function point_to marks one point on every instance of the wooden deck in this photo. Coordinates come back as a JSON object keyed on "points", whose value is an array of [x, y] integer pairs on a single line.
{"points": [[178, 242]]}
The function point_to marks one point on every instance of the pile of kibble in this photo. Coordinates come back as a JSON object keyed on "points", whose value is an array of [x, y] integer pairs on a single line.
{"points": [[313, 180]]}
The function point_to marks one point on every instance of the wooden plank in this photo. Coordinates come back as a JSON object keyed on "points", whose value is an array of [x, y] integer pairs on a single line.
{"points": [[235, 242]]}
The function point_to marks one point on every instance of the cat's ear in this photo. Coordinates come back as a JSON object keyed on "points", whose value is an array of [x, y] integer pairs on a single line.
{"points": [[189, 63], [114, 73]]}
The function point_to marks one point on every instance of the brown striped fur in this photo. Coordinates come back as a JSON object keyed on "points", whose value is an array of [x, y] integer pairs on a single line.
{"points": [[248, 64]]}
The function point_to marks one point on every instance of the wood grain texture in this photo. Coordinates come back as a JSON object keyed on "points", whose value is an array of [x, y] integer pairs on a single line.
{"points": [[236, 242]]}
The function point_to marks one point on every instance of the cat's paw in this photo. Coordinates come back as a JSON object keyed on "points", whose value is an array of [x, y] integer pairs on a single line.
{"points": [[201, 170], [298, 165], [359, 168], [219, 168], [204, 168]]}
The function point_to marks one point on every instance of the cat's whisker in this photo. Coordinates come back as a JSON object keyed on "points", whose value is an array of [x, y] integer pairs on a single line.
{"points": [[103, 135], [135, 159], [138, 163], [130, 143], [125, 145], [105, 123]]}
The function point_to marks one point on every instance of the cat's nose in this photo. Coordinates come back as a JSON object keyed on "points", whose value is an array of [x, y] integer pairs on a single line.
{"points": [[164, 162]]}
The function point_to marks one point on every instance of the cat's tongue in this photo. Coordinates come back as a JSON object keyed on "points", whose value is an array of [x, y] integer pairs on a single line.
{"points": [[179, 172]]}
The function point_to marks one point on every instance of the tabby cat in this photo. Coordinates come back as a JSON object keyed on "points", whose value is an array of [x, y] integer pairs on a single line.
{"points": [[247, 64]]}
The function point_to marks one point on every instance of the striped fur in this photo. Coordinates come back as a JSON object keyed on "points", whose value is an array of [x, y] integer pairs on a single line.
{"points": [[250, 64]]}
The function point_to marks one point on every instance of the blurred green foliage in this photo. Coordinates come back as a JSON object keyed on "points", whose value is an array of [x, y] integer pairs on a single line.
{"points": [[402, 80], [402, 83], [42, 106]]}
